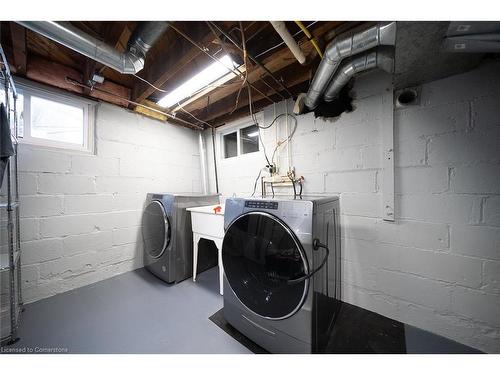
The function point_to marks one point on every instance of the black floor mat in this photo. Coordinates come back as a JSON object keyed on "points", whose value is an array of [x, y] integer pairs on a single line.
{"points": [[220, 321], [359, 331]]}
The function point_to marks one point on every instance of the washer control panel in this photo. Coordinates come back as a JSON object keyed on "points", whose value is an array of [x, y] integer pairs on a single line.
{"points": [[262, 204]]}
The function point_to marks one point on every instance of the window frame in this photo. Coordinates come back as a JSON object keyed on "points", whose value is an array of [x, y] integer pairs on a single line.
{"points": [[240, 131], [224, 144], [237, 127], [30, 89]]}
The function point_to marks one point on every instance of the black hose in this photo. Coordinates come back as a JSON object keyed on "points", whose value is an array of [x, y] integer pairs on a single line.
{"points": [[294, 189], [316, 246]]}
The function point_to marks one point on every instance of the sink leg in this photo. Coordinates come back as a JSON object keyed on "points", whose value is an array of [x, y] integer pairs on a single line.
{"points": [[196, 239]]}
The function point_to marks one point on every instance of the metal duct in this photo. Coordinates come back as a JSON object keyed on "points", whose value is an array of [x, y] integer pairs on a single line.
{"points": [[344, 46], [128, 62], [377, 59]]}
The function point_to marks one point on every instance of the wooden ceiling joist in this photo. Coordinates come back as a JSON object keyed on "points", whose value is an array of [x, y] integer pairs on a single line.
{"points": [[293, 77], [274, 63], [168, 63], [20, 51], [185, 49]]}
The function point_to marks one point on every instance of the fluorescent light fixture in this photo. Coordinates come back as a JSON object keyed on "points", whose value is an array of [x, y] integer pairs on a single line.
{"points": [[253, 134], [199, 81]]}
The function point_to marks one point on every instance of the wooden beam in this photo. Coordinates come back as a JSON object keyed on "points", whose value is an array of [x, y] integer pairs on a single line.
{"points": [[88, 73], [18, 34], [120, 44], [275, 62], [54, 74], [168, 63], [221, 81], [293, 76], [243, 112], [149, 112], [119, 90]]}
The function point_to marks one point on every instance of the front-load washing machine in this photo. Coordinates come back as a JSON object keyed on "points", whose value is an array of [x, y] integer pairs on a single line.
{"points": [[281, 261], [167, 234]]}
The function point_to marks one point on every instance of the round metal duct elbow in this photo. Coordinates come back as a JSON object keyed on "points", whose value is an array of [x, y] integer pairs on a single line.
{"points": [[344, 46], [128, 62], [377, 59]]}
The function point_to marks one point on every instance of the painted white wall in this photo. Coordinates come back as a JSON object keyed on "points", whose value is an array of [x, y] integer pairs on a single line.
{"points": [[81, 213], [437, 266]]}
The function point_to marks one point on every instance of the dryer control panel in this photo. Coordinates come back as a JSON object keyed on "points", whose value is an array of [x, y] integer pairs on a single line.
{"points": [[262, 204]]}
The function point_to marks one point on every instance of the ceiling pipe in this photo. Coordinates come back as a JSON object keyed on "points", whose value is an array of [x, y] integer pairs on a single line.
{"points": [[381, 59], [282, 30], [344, 46], [129, 62]]}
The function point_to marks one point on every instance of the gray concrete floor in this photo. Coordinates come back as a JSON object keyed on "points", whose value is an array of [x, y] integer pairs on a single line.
{"points": [[131, 313]]}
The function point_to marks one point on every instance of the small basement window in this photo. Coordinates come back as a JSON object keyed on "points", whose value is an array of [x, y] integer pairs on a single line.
{"points": [[249, 139], [244, 140], [52, 119], [230, 145]]}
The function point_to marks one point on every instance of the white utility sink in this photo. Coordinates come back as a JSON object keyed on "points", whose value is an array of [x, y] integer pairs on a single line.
{"points": [[208, 224]]}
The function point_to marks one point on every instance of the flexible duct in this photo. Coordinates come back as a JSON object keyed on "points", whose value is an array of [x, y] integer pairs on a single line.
{"points": [[344, 46], [128, 62], [283, 32], [377, 59]]}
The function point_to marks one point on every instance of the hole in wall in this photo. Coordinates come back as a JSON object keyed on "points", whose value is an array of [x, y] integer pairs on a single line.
{"points": [[343, 103], [407, 97]]}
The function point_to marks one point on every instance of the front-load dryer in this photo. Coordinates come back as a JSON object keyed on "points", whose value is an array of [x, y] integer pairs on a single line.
{"points": [[281, 261], [167, 234]]}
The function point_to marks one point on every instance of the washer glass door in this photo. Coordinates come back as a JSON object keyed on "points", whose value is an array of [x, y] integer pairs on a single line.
{"points": [[260, 255], [155, 229]]}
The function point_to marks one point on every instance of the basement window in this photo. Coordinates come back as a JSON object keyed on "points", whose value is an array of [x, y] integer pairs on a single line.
{"points": [[244, 140], [53, 119], [230, 145], [249, 139], [211, 75]]}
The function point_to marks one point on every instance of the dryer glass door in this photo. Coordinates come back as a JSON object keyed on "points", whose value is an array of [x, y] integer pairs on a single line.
{"points": [[260, 255], [155, 229]]}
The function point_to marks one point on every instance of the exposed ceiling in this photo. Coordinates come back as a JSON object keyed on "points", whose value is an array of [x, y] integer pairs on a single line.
{"points": [[184, 49], [173, 60]]}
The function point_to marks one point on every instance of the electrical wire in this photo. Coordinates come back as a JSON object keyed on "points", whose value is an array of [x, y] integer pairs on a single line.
{"points": [[250, 107], [76, 83], [276, 118], [288, 139], [283, 87], [255, 184], [244, 47], [150, 84], [204, 50], [196, 118]]}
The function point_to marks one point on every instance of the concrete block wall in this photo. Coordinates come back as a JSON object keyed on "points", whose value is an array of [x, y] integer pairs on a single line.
{"points": [[437, 266], [81, 213]]}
